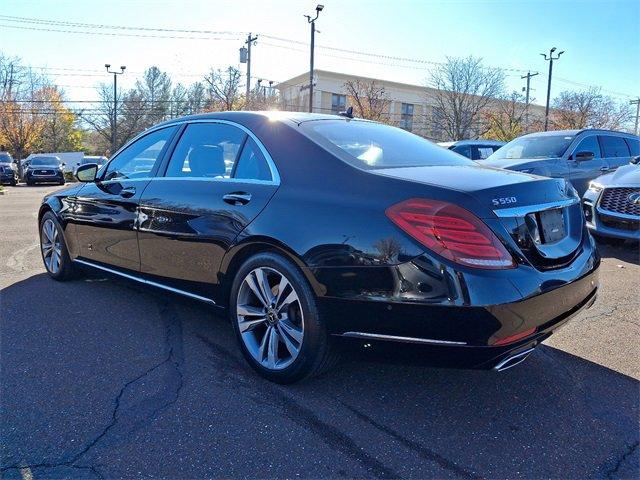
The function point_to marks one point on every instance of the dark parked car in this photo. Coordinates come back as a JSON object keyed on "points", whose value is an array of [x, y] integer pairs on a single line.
{"points": [[8, 175], [44, 170], [308, 227], [575, 155], [473, 149], [612, 205]]}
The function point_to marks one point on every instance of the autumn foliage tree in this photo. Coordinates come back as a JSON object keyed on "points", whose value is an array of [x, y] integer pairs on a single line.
{"points": [[368, 99], [506, 119]]}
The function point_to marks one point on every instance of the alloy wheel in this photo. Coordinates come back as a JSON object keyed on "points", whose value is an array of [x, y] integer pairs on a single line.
{"points": [[270, 318], [51, 246]]}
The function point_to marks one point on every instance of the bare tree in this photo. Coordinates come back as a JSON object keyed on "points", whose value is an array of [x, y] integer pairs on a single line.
{"points": [[154, 89], [196, 98], [369, 99], [589, 109], [461, 89], [506, 119], [224, 89]]}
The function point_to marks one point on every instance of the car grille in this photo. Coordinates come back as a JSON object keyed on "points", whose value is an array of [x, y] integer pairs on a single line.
{"points": [[44, 172], [617, 200]]}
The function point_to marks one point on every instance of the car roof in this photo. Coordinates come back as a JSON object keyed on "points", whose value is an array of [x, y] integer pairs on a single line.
{"points": [[244, 116], [472, 142], [578, 132]]}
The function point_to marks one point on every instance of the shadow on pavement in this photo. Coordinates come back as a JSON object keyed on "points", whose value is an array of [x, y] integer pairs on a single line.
{"points": [[105, 378]]}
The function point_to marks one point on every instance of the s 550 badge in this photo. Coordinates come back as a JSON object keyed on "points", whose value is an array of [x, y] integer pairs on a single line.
{"points": [[504, 201]]}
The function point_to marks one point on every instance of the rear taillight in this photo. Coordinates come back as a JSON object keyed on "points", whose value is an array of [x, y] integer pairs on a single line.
{"points": [[452, 232]]}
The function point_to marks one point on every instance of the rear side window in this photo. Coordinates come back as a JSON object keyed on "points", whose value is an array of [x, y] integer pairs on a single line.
{"points": [[372, 145], [482, 152], [634, 146], [252, 165], [614, 146], [589, 144], [206, 150]]}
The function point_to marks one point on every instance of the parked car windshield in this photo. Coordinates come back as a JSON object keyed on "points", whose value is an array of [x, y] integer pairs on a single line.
{"points": [[53, 161], [373, 145], [543, 146]]}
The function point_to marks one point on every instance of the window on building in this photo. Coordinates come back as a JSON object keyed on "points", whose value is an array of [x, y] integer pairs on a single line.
{"points": [[406, 121], [338, 103]]}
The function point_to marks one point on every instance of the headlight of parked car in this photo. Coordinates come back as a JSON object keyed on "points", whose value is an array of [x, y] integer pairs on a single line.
{"points": [[595, 187]]}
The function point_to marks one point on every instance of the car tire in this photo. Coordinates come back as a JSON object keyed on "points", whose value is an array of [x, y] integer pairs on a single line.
{"points": [[53, 248], [302, 347]]}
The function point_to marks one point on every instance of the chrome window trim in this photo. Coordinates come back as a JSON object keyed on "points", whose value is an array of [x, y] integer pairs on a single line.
{"points": [[275, 175], [146, 282], [396, 338], [540, 207]]}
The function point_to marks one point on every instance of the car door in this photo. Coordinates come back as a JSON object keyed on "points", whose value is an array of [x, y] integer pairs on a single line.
{"points": [[218, 179], [105, 211], [614, 150], [583, 170]]}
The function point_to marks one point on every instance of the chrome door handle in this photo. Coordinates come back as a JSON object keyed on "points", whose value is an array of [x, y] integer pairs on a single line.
{"points": [[237, 198], [604, 169], [128, 192]]}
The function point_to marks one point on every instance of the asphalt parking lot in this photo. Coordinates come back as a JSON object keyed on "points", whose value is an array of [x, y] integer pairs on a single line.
{"points": [[105, 379]]}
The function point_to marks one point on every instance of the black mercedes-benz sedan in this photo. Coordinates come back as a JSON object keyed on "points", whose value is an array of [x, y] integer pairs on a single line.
{"points": [[310, 229]]}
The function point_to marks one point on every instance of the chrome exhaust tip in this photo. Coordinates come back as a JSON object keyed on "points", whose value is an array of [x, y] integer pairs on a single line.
{"points": [[512, 361]]}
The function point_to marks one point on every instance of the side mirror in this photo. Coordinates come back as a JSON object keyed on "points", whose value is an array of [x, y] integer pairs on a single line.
{"points": [[585, 155], [635, 160], [87, 173]]}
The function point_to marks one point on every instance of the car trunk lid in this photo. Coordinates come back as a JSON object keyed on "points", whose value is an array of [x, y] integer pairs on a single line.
{"points": [[541, 215]]}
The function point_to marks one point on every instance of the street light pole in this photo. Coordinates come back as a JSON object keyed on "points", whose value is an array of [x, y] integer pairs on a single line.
{"points": [[312, 21], [114, 124], [550, 59]]}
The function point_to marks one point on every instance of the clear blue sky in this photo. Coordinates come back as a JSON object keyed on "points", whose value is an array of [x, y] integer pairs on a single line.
{"points": [[601, 39]]}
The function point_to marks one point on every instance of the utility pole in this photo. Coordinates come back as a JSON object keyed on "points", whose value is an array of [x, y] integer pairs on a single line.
{"points": [[114, 124], [636, 102], [550, 59], [526, 102], [312, 21], [248, 43]]}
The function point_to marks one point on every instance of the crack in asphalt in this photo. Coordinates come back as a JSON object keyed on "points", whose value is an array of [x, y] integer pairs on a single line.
{"points": [[272, 395], [630, 450], [423, 452], [174, 356]]}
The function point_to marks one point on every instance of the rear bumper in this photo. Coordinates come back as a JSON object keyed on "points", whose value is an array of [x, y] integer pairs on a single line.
{"points": [[471, 318]]}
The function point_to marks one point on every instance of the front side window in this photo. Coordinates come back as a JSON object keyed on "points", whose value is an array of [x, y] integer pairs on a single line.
{"points": [[406, 121], [464, 150], [589, 144], [614, 146], [372, 145], [338, 103], [138, 159], [536, 146], [206, 150]]}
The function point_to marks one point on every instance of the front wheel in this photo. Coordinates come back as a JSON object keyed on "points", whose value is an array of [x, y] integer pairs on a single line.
{"points": [[275, 317], [55, 254]]}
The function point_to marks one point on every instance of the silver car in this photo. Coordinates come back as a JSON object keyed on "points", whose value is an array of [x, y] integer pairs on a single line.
{"points": [[575, 155], [611, 205]]}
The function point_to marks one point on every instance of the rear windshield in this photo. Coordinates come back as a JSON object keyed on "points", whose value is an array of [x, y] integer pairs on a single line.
{"points": [[45, 161], [5, 158], [373, 145], [543, 146]]}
